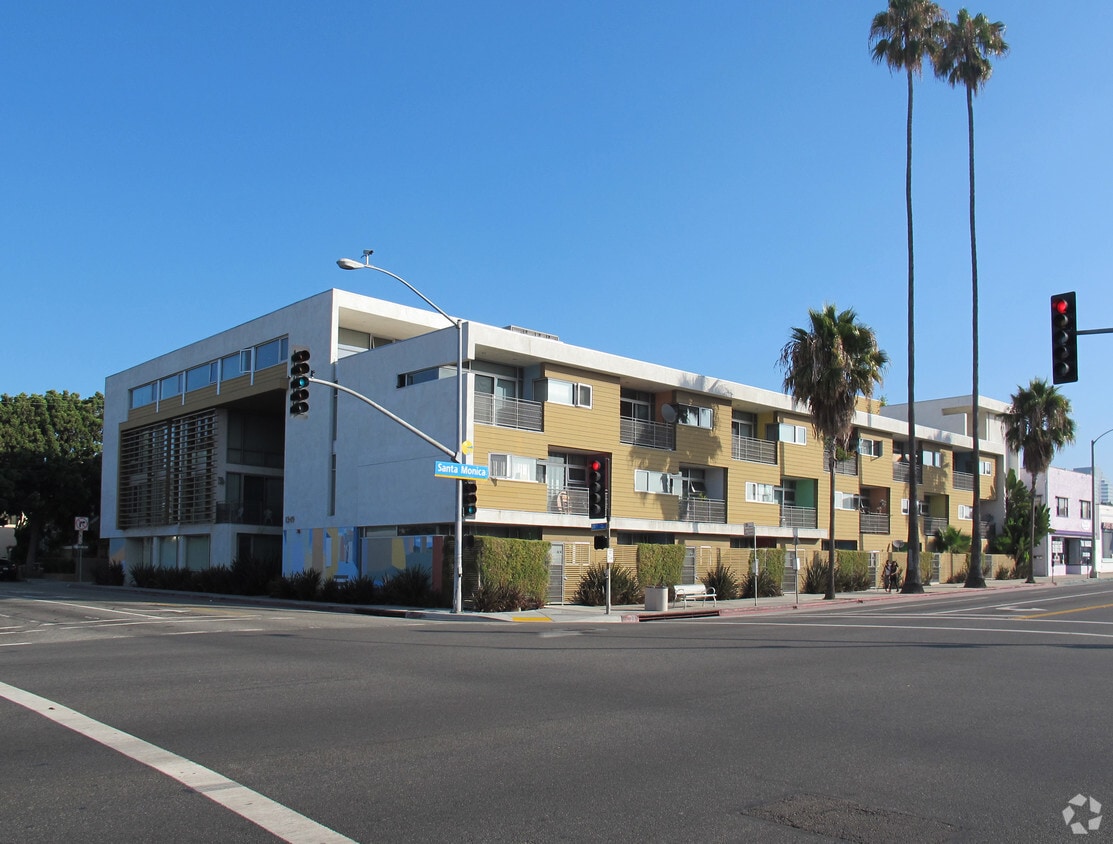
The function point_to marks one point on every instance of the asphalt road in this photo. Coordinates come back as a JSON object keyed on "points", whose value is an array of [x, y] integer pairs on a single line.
{"points": [[974, 716]]}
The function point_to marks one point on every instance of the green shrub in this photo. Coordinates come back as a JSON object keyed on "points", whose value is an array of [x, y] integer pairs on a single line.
{"points": [[814, 581], [304, 585], [768, 585], [108, 574], [522, 564], [410, 587], [215, 579], [659, 565], [625, 588], [1006, 572], [253, 576], [502, 597], [723, 581]]}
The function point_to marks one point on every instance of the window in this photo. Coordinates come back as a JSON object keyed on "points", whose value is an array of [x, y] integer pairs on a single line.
{"points": [[563, 392], [786, 492], [635, 404], [762, 493], [744, 424], [985, 467], [270, 353], [170, 386], [697, 417], [870, 448], [511, 467], [787, 433], [657, 482], [1084, 510], [928, 457], [235, 365], [200, 376], [904, 507], [965, 512], [694, 483], [1062, 506], [434, 373], [143, 396], [847, 501]]}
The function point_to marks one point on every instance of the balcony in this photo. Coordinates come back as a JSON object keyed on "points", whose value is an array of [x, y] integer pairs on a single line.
{"points": [[508, 413], [247, 513], [902, 472], [703, 510], [874, 523], [963, 480], [647, 434], [753, 450], [933, 524], [847, 466], [569, 501], [802, 517]]}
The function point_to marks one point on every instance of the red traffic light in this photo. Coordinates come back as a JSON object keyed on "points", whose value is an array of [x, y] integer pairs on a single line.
{"points": [[595, 465], [1060, 305]]}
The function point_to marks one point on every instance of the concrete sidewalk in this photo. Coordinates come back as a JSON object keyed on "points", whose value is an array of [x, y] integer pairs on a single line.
{"points": [[575, 613]]}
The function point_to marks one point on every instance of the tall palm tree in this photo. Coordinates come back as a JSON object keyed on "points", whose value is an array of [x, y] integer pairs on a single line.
{"points": [[968, 45], [900, 37], [1037, 423], [827, 366]]}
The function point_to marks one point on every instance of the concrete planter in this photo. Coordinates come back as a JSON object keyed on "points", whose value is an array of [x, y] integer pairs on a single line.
{"points": [[656, 598]]}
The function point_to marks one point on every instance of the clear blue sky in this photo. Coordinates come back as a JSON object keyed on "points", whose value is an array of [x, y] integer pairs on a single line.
{"points": [[671, 181]]}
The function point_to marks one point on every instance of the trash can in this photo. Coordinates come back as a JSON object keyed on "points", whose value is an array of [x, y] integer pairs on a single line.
{"points": [[656, 598]]}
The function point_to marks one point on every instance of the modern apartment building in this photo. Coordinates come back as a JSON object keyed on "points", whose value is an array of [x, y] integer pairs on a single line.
{"points": [[204, 463]]}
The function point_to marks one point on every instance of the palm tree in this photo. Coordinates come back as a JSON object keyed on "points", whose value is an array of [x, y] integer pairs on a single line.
{"points": [[1037, 423], [900, 37], [968, 45], [827, 366]]}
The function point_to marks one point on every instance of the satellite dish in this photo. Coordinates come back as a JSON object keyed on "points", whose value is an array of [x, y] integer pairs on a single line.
{"points": [[668, 413]]}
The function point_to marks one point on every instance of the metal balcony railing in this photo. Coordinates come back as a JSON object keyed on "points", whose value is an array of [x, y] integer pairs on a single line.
{"points": [[753, 450], [847, 466], [963, 480], [902, 472], [874, 523], [703, 510], [247, 513], [570, 501], [508, 413], [804, 517], [647, 434], [934, 523]]}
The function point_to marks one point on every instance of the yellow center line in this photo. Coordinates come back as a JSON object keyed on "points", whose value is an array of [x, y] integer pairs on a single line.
{"points": [[1064, 612]]}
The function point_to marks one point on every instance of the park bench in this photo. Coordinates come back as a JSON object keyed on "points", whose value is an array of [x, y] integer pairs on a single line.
{"points": [[686, 592]]}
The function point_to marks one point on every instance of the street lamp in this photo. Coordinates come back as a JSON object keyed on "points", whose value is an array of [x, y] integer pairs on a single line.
{"points": [[458, 550], [1095, 535]]}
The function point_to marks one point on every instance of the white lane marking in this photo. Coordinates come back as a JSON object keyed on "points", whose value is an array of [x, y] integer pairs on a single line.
{"points": [[1032, 598], [936, 629], [275, 818]]}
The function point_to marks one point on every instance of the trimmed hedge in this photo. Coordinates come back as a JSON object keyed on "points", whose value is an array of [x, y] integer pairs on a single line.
{"points": [[506, 565], [660, 565]]}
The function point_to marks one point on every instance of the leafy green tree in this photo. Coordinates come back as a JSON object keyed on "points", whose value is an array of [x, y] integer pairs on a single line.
{"points": [[968, 45], [1037, 424], [951, 540], [50, 450], [900, 37], [827, 366], [1015, 536]]}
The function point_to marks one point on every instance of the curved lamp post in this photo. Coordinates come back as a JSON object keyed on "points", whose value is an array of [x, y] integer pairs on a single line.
{"points": [[458, 550], [1095, 522]]}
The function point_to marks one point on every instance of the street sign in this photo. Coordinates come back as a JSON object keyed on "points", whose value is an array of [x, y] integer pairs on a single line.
{"points": [[749, 529], [448, 469], [598, 525], [81, 523]]}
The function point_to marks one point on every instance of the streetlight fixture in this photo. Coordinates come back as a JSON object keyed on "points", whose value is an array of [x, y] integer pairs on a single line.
{"points": [[458, 550], [1095, 535]]}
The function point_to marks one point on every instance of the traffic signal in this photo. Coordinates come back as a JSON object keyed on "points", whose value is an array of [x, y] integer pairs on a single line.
{"points": [[470, 496], [1064, 339], [602, 541], [597, 488], [299, 382]]}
